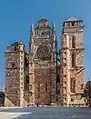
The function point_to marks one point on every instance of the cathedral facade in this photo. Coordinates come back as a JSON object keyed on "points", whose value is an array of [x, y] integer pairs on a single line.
{"points": [[39, 77]]}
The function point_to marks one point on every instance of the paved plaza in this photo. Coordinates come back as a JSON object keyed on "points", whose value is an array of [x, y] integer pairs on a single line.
{"points": [[45, 113]]}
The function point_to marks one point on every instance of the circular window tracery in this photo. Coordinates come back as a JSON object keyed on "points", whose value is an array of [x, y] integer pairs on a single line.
{"points": [[43, 52]]}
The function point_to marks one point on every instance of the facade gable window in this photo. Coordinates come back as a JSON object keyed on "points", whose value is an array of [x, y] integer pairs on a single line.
{"points": [[73, 41]]}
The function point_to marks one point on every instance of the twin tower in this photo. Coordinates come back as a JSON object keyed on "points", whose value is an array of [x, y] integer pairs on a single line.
{"points": [[38, 77]]}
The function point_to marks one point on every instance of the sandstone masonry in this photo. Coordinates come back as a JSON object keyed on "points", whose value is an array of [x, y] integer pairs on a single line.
{"points": [[39, 76]]}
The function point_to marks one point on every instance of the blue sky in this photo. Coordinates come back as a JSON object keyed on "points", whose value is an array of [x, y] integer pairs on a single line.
{"points": [[17, 15]]}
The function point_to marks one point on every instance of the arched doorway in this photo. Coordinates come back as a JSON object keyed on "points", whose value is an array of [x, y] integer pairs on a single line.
{"points": [[2, 98]]}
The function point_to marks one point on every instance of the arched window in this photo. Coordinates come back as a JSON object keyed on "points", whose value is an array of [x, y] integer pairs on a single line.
{"points": [[73, 41], [72, 23], [38, 86], [46, 86], [58, 78], [73, 59], [72, 85], [27, 83]]}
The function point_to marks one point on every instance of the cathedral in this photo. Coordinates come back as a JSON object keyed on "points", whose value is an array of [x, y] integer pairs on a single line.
{"points": [[44, 75]]}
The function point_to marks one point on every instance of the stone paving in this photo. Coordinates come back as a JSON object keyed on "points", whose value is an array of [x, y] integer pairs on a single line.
{"points": [[45, 113]]}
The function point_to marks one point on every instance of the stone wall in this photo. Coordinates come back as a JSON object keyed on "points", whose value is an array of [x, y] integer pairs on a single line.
{"points": [[42, 86], [12, 86], [72, 62]]}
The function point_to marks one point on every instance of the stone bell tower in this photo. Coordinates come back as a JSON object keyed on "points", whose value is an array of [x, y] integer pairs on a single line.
{"points": [[14, 74], [42, 64], [72, 62]]}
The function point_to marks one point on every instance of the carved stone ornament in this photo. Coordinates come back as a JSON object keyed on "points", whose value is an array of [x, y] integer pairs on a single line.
{"points": [[43, 52], [30, 86], [30, 93]]}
